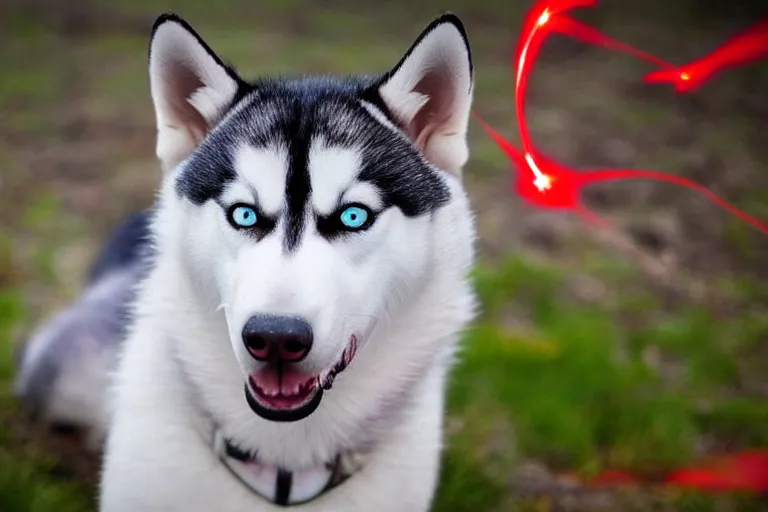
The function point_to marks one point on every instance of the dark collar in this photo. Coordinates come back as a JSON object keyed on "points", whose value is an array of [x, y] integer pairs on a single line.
{"points": [[278, 485], [272, 483]]}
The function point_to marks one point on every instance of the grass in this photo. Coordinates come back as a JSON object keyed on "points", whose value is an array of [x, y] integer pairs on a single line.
{"points": [[27, 487], [28, 479], [547, 378], [26, 482], [579, 388]]}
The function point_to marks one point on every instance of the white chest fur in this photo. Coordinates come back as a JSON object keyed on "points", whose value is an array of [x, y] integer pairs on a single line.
{"points": [[157, 461]]}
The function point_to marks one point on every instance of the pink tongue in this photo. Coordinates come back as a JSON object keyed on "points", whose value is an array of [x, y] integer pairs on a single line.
{"points": [[272, 383]]}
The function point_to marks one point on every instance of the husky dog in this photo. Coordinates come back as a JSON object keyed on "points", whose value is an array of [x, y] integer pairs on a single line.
{"points": [[65, 367], [311, 248]]}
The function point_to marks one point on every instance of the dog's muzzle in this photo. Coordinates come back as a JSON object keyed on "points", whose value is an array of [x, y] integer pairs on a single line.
{"points": [[279, 391]]}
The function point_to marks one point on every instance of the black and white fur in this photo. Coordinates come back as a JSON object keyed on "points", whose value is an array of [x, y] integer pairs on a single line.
{"points": [[65, 367], [298, 151]]}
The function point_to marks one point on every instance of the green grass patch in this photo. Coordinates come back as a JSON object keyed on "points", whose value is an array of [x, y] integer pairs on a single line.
{"points": [[465, 486], [26, 484], [24, 487], [579, 388]]}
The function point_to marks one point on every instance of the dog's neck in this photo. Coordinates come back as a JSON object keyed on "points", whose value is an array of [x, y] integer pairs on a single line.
{"points": [[280, 486], [273, 483]]}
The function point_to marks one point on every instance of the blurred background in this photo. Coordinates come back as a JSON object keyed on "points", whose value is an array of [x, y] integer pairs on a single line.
{"points": [[642, 346]]}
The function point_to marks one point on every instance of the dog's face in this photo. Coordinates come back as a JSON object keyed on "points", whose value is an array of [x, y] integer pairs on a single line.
{"points": [[308, 208]]}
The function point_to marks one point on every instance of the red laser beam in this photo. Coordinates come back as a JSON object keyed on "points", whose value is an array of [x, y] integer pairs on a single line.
{"points": [[744, 471], [548, 184], [745, 47]]}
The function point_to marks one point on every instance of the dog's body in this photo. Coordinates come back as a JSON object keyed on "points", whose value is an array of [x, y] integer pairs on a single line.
{"points": [[66, 366], [308, 279]]}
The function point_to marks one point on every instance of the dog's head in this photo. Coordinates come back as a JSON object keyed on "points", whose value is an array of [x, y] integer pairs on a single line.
{"points": [[308, 209]]}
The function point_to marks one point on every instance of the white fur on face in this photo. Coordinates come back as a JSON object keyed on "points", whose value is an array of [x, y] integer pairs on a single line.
{"points": [[333, 284], [333, 173], [262, 172], [429, 93], [413, 282]]}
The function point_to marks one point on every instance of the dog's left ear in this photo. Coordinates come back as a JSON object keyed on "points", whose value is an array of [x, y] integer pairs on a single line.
{"points": [[191, 88], [429, 93]]}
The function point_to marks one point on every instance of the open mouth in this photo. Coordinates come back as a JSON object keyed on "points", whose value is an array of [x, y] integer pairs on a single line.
{"points": [[281, 394]]}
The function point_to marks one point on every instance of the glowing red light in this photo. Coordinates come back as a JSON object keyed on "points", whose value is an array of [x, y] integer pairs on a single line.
{"points": [[744, 471], [548, 184], [746, 46]]}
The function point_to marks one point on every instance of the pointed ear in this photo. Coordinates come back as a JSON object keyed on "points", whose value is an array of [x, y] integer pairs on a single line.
{"points": [[191, 88], [429, 93]]}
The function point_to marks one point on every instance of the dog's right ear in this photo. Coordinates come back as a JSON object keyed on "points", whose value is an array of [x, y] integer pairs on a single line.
{"points": [[191, 88]]}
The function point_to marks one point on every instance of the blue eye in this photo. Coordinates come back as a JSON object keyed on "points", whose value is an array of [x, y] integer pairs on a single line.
{"points": [[354, 217], [243, 216]]}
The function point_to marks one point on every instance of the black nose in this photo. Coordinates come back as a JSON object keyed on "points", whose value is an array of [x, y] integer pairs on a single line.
{"points": [[277, 339]]}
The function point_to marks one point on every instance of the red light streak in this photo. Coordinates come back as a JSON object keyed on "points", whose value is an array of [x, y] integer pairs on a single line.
{"points": [[745, 47], [548, 184], [744, 471]]}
